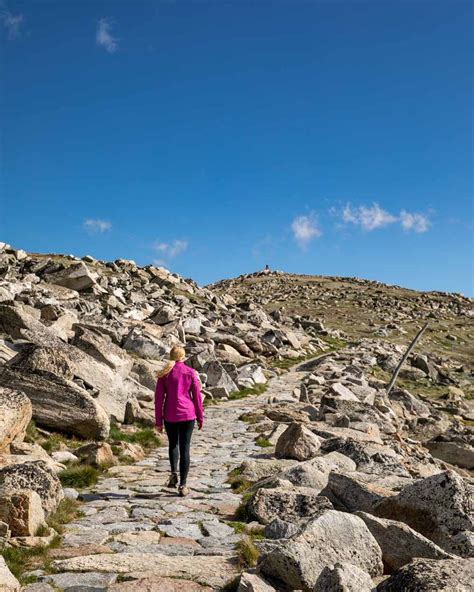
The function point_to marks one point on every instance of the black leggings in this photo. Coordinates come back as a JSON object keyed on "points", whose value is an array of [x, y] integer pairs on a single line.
{"points": [[179, 434]]}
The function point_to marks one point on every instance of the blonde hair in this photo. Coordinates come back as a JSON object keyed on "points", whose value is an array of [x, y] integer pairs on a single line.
{"points": [[177, 354]]}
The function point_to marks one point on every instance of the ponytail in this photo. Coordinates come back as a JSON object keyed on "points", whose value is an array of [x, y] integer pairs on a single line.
{"points": [[177, 354]]}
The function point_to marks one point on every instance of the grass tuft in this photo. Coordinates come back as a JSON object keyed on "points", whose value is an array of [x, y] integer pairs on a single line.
{"points": [[79, 476], [238, 483], [32, 435], [263, 442], [146, 437], [67, 511], [258, 389], [247, 552], [22, 559]]}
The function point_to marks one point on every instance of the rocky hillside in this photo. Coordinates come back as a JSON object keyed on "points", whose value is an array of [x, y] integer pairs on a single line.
{"points": [[368, 309], [345, 483]]}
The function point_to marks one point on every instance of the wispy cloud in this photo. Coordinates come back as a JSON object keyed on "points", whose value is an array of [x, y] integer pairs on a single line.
{"points": [[415, 222], [104, 37], [372, 217], [169, 250], [369, 218], [95, 225], [305, 229], [12, 23]]}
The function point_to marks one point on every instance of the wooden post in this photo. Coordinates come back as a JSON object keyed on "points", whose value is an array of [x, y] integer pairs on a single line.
{"points": [[405, 356]]}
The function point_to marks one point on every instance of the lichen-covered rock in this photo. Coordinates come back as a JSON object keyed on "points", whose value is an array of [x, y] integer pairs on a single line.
{"points": [[343, 577], [15, 413], [35, 476], [288, 504], [297, 442], [332, 537], [439, 507], [22, 511], [400, 544], [431, 575]]}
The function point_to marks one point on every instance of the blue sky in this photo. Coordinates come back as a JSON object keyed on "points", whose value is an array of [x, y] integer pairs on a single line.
{"points": [[214, 137]]}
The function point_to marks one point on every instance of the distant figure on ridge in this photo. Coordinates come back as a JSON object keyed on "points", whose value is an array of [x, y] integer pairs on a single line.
{"points": [[178, 402], [267, 269]]}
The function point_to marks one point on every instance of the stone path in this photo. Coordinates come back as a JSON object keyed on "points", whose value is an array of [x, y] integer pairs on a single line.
{"points": [[136, 533]]}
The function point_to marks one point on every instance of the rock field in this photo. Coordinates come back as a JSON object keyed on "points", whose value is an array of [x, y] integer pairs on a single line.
{"points": [[308, 474]]}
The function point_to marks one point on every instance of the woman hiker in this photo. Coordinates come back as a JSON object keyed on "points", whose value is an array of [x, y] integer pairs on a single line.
{"points": [[178, 402]]}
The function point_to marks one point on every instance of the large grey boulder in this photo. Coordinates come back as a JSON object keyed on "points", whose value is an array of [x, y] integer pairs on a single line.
{"points": [[219, 377], [101, 347], [75, 277], [352, 491], [343, 577], [315, 472], [332, 537], [15, 413], [297, 442], [400, 544], [431, 575], [37, 477], [14, 319], [70, 363], [439, 507], [288, 504], [59, 404], [454, 453], [147, 341]]}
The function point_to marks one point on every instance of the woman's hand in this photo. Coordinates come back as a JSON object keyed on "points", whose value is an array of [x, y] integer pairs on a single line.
{"points": [[159, 429], [200, 425]]}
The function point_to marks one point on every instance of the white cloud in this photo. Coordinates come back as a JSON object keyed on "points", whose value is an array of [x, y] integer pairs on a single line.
{"points": [[94, 225], [169, 250], [305, 228], [415, 222], [373, 217], [104, 37], [12, 23], [369, 218]]}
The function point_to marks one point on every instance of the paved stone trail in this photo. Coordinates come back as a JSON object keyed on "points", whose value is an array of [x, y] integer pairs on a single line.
{"points": [[134, 527]]}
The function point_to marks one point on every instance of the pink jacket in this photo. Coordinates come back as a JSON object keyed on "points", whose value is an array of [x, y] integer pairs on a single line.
{"points": [[178, 396]]}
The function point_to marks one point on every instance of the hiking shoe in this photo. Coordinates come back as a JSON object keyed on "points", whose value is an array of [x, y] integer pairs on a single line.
{"points": [[183, 491], [173, 482]]}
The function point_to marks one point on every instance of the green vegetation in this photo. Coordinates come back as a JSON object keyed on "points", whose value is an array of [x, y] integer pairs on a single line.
{"points": [[67, 511], [241, 514], [258, 389], [146, 437], [32, 434], [57, 441], [239, 527], [247, 552], [333, 343], [237, 481], [263, 442], [287, 363], [79, 476], [23, 559], [232, 586]]}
